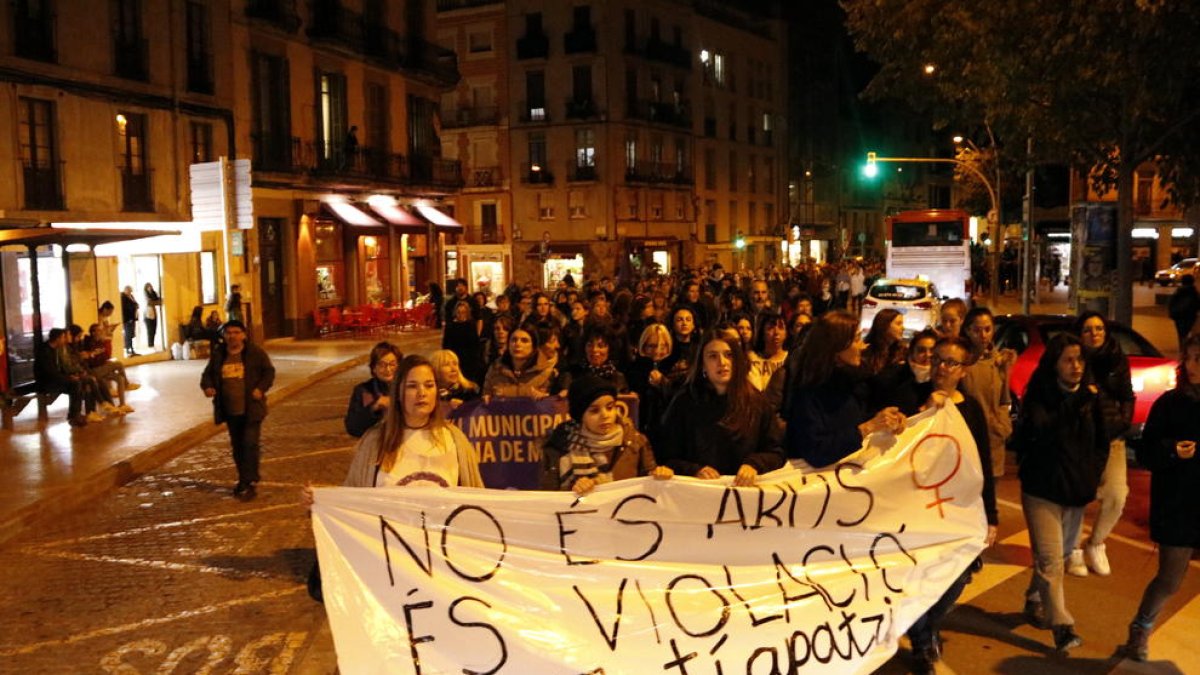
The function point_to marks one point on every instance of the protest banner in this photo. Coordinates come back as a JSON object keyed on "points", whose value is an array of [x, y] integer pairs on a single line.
{"points": [[507, 434], [810, 571]]}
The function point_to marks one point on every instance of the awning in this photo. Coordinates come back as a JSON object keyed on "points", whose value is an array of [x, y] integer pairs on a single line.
{"points": [[437, 217], [65, 236], [393, 214], [558, 250], [349, 213]]}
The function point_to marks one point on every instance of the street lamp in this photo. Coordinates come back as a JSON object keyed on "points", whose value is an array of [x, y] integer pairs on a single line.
{"points": [[873, 158]]}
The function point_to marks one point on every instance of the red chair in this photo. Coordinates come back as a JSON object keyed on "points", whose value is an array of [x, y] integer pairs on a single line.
{"points": [[319, 323], [337, 324]]}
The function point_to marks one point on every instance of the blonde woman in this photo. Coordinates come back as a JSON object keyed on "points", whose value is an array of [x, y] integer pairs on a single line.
{"points": [[453, 385]]}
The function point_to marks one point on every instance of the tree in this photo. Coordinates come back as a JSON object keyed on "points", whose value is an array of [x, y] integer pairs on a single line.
{"points": [[1105, 84]]}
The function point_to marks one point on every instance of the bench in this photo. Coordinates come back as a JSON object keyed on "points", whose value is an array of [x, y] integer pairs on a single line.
{"points": [[12, 405]]}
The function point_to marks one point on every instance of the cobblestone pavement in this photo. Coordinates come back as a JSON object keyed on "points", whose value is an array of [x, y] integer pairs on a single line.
{"points": [[171, 574]]}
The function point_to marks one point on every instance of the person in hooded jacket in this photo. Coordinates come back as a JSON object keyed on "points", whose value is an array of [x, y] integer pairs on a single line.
{"points": [[1062, 443], [1168, 449], [1109, 368]]}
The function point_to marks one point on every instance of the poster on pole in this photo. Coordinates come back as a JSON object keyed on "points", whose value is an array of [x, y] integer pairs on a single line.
{"points": [[814, 571]]}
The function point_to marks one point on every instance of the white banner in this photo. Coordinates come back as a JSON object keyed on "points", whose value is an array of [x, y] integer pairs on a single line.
{"points": [[810, 571]]}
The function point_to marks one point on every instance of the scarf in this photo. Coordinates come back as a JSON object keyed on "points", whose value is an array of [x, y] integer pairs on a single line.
{"points": [[922, 373], [605, 371], [590, 455]]}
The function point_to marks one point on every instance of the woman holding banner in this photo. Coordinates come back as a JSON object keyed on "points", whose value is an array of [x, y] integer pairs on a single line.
{"points": [[827, 413], [598, 444], [1062, 439], [520, 372], [453, 386], [719, 424]]}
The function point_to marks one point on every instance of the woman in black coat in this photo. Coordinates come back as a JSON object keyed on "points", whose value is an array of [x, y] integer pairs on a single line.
{"points": [[719, 424], [462, 337], [1168, 449], [1062, 439], [370, 399]]}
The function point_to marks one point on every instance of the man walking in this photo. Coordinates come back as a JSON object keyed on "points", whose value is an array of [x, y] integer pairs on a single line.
{"points": [[237, 378]]}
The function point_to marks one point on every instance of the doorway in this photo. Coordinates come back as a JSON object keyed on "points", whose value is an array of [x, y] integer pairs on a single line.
{"points": [[270, 234], [147, 269]]}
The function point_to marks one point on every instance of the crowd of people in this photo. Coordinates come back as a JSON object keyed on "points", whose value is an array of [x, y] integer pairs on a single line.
{"points": [[737, 376]]}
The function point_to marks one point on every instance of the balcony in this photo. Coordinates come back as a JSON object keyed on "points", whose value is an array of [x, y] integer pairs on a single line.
{"points": [[710, 127], [34, 37], [490, 233], [333, 23], [581, 109], [533, 46], [460, 118], [484, 177], [675, 55], [130, 58], [200, 74], [136, 190], [427, 170], [536, 174], [534, 112], [659, 172], [430, 63], [381, 43], [277, 153], [661, 112], [279, 13], [451, 5], [329, 159], [44, 187], [582, 39], [581, 173]]}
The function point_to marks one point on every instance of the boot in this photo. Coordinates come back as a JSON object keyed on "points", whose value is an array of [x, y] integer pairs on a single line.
{"points": [[1034, 613], [1138, 645]]}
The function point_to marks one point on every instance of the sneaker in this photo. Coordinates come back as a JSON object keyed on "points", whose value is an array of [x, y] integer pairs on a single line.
{"points": [[240, 489], [1138, 645], [109, 409], [1096, 559], [1065, 638], [1034, 613], [77, 421], [1075, 565], [125, 408], [94, 417], [132, 386]]}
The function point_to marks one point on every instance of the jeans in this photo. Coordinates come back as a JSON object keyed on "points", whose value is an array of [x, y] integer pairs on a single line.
{"points": [[924, 630], [1113, 490], [1051, 528], [243, 437], [130, 331], [1172, 567]]}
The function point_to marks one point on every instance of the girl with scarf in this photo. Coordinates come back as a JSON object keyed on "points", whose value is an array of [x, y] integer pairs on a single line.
{"points": [[599, 444]]}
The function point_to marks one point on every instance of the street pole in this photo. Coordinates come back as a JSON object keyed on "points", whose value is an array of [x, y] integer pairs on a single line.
{"points": [[1027, 244]]}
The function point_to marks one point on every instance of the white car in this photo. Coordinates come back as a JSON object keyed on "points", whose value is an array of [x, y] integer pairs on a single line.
{"points": [[917, 301]]}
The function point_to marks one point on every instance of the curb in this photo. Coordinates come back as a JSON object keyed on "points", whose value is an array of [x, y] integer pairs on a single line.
{"points": [[67, 498]]}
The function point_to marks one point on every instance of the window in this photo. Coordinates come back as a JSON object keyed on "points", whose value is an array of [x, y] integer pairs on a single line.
{"points": [[680, 156], [677, 35], [710, 169], [766, 122], [631, 90], [535, 94], [537, 152], [39, 155], [479, 42], [656, 205], [545, 202], [271, 95], [575, 204], [718, 60], [329, 267], [585, 148], [710, 221], [533, 23], [129, 47], [752, 217], [208, 277], [632, 203], [1143, 194], [581, 80], [769, 175], [331, 121], [199, 49], [135, 176], [631, 151], [656, 151], [733, 121], [733, 221], [630, 29], [680, 206], [750, 176], [655, 30], [769, 217], [378, 119], [33, 29], [201, 141], [733, 170], [583, 17]]}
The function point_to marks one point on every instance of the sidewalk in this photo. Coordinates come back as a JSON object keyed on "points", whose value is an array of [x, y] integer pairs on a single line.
{"points": [[51, 468]]}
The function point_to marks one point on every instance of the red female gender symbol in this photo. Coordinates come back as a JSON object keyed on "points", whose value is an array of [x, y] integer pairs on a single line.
{"points": [[936, 487]]}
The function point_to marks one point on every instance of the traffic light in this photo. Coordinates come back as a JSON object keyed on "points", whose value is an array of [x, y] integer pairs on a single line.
{"points": [[870, 169], [740, 242]]}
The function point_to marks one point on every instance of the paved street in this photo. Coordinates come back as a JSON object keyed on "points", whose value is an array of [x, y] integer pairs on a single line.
{"points": [[170, 574]]}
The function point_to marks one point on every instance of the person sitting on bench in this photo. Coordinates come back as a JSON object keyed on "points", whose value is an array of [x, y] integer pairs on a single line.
{"points": [[51, 379], [97, 357]]}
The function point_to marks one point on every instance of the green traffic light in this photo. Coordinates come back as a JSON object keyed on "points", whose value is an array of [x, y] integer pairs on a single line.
{"points": [[870, 170]]}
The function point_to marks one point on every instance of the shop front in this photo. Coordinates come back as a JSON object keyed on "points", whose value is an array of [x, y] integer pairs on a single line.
{"points": [[645, 257], [486, 267]]}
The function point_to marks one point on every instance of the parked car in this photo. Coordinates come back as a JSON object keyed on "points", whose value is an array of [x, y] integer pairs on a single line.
{"points": [[1172, 275], [1152, 373], [916, 299]]}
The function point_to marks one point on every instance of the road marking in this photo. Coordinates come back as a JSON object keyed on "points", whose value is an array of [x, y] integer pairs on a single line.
{"points": [[160, 526], [995, 573], [146, 623], [151, 564], [1175, 639]]}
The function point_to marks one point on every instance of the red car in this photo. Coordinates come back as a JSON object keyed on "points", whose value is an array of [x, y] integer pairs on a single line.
{"points": [[1152, 373]]}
